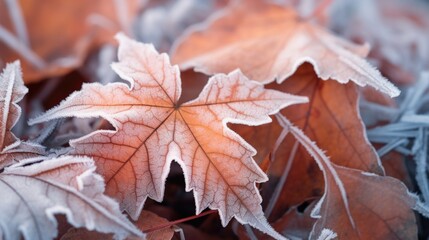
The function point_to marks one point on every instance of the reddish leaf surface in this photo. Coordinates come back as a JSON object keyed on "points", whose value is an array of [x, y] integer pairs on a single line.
{"points": [[335, 107], [55, 47], [152, 130], [268, 42], [331, 119], [12, 90]]}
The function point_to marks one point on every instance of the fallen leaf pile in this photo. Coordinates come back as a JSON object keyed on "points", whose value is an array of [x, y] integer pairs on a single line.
{"points": [[264, 119]]}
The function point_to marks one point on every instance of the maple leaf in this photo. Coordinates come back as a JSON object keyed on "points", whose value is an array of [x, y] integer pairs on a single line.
{"points": [[268, 42], [351, 214], [42, 50], [12, 90], [65, 185], [152, 130]]}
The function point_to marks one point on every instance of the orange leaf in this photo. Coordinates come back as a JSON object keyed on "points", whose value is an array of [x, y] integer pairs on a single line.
{"points": [[152, 129], [267, 42]]}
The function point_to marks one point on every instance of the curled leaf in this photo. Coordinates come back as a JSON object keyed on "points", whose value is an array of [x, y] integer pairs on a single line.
{"points": [[12, 90]]}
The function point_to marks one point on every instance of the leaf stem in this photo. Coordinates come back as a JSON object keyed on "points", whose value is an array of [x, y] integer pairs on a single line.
{"points": [[169, 224]]}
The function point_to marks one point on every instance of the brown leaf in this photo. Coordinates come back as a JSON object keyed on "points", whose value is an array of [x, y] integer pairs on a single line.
{"points": [[332, 119], [59, 33], [381, 208], [357, 204], [267, 42]]}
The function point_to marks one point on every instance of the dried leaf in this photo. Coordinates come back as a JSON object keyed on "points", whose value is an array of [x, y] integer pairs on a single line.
{"points": [[268, 42], [152, 130], [353, 215], [12, 90], [65, 185], [381, 208], [335, 107], [332, 119]]}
